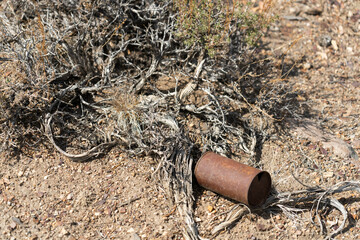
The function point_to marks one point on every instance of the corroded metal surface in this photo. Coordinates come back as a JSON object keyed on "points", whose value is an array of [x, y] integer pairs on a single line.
{"points": [[233, 179]]}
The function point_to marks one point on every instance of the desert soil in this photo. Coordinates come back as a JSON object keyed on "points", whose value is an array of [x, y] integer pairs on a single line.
{"points": [[43, 195]]}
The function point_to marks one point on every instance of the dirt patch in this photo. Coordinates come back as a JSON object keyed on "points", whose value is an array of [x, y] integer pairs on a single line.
{"points": [[314, 45], [47, 196]]}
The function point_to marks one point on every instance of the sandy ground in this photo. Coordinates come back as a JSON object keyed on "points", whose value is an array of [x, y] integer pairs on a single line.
{"points": [[45, 196]]}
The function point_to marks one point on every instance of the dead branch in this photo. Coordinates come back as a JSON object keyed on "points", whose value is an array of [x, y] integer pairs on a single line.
{"points": [[93, 152]]}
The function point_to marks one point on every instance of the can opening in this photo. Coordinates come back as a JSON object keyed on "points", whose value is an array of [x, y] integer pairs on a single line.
{"points": [[259, 189]]}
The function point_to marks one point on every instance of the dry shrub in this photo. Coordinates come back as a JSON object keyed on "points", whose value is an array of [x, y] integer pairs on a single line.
{"points": [[90, 80]]}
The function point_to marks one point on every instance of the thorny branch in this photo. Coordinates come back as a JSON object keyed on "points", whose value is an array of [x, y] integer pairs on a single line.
{"points": [[95, 151], [291, 203]]}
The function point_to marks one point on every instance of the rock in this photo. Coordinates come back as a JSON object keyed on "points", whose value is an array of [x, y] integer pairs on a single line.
{"points": [[328, 174], [17, 220], [307, 66], [40, 194], [63, 233], [210, 208], [295, 11], [340, 148], [69, 196], [334, 45], [135, 237], [122, 210], [107, 211], [12, 226], [261, 227], [309, 130], [356, 144], [325, 40], [20, 173], [312, 10]]}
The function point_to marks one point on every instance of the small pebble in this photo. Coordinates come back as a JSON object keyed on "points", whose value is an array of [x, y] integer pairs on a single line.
{"points": [[122, 210], [107, 211], [261, 227], [356, 144], [20, 173], [307, 66], [12, 225], [325, 41], [63, 232], [69, 196], [349, 50], [17, 220], [210, 208], [135, 237], [328, 174], [334, 45]]}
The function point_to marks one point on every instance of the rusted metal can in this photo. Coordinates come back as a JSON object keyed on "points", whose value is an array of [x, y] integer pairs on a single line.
{"points": [[233, 179]]}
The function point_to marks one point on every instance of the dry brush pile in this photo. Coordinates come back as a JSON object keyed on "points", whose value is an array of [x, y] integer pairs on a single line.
{"points": [[171, 79]]}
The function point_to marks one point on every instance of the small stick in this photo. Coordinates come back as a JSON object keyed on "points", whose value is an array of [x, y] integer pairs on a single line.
{"points": [[129, 201], [170, 213]]}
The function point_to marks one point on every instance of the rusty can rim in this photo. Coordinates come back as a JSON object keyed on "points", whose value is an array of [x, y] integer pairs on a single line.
{"points": [[260, 196]]}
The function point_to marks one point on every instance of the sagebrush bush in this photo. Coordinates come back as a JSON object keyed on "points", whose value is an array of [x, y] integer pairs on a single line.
{"points": [[81, 47], [210, 23]]}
